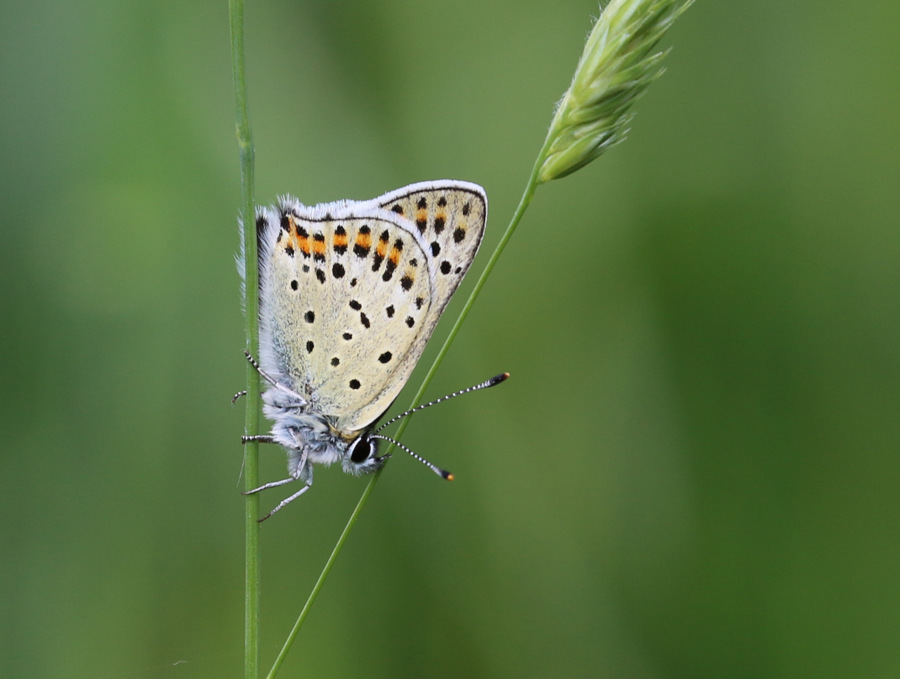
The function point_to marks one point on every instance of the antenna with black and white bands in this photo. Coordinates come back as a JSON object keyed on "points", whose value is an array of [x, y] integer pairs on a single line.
{"points": [[443, 473]]}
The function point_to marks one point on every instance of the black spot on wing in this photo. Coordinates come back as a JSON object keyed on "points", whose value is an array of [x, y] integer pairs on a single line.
{"points": [[389, 269], [340, 241], [317, 255]]}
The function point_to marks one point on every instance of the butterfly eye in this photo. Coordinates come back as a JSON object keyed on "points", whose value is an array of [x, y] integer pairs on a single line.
{"points": [[362, 449]]}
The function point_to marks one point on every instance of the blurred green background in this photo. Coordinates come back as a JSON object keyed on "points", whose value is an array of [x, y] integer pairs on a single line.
{"points": [[694, 470]]}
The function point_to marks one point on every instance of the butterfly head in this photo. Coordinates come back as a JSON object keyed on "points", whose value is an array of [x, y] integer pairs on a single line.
{"points": [[361, 456]]}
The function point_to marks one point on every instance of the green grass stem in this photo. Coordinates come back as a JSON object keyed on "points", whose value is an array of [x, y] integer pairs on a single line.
{"points": [[251, 301]]}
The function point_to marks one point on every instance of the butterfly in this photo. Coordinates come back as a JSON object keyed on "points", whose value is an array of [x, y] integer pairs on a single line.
{"points": [[349, 294]]}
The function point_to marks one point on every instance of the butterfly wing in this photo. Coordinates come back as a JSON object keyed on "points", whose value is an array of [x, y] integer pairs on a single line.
{"points": [[450, 216], [351, 292]]}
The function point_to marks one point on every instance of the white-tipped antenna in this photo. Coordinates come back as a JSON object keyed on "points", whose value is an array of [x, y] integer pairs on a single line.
{"points": [[443, 473]]}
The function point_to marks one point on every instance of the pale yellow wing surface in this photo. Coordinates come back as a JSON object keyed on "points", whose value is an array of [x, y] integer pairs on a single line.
{"points": [[350, 292]]}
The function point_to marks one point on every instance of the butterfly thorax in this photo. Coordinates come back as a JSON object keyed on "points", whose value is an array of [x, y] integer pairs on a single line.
{"points": [[310, 437]]}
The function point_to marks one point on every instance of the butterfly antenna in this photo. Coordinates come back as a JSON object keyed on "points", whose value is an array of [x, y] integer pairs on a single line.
{"points": [[443, 473], [495, 380]]}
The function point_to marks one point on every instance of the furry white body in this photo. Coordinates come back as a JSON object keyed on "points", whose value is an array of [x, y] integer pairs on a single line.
{"points": [[350, 293]]}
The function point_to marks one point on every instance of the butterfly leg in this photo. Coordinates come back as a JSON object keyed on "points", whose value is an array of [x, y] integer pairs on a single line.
{"points": [[266, 376], [275, 484], [288, 500], [301, 466], [261, 438], [295, 397], [271, 484]]}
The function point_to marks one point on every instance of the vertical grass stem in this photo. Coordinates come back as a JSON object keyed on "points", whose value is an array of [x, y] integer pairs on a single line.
{"points": [[251, 301]]}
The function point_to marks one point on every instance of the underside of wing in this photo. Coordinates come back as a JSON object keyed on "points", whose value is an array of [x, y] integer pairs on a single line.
{"points": [[450, 216], [350, 292], [347, 303]]}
